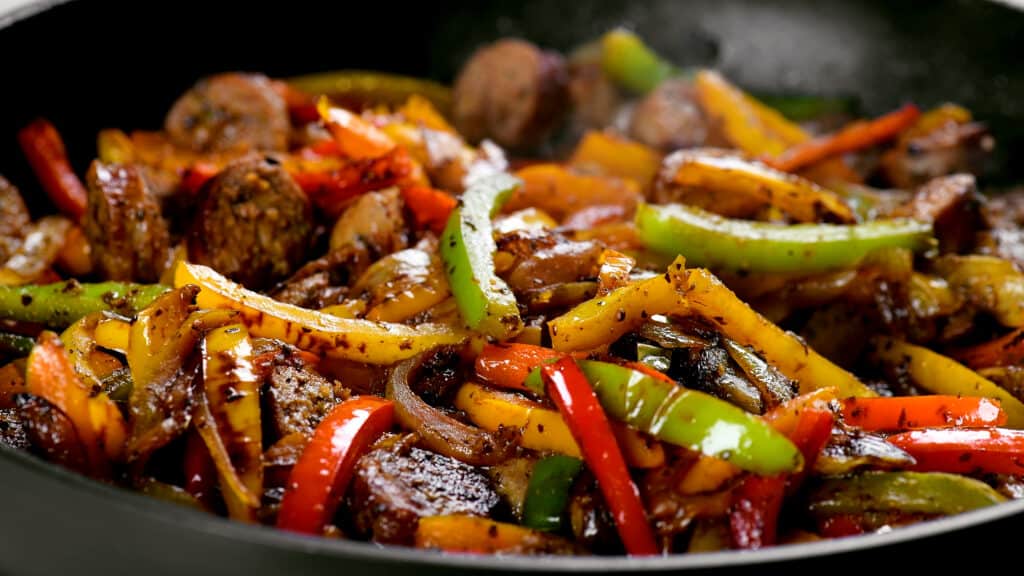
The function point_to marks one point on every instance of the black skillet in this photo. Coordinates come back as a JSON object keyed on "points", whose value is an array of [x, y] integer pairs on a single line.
{"points": [[90, 65]]}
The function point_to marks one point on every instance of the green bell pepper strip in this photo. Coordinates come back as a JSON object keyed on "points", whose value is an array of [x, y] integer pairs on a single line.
{"points": [[909, 492], [16, 345], [687, 418], [548, 491], [804, 108], [60, 304], [709, 240], [632, 64], [485, 302], [370, 88], [654, 356]]}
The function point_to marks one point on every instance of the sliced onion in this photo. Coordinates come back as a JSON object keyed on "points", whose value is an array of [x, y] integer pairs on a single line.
{"points": [[439, 431]]}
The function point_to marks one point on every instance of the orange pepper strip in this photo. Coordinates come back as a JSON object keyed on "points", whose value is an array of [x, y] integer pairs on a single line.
{"points": [[430, 207], [356, 137], [1006, 350], [933, 411], [853, 137]]}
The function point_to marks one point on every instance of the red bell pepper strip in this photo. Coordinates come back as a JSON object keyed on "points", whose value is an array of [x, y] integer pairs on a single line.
{"points": [[935, 411], [995, 451], [319, 479], [331, 188], [45, 152], [757, 501], [301, 106], [508, 365], [430, 207], [568, 387], [853, 137], [196, 176], [1007, 350], [200, 471]]}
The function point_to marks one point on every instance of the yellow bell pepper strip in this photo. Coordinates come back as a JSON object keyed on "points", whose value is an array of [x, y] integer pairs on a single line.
{"points": [[542, 429], [576, 401], [548, 492], [613, 155], [230, 423], [345, 338], [746, 123], [92, 365], [905, 492], [460, 533], [614, 271], [632, 64], [485, 302], [713, 301], [731, 185], [18, 345], [95, 417], [940, 374], [419, 110], [362, 88], [932, 411], [604, 319], [560, 191], [163, 363], [690, 419], [401, 285], [707, 239], [60, 304], [112, 334], [318, 481], [991, 284], [853, 137]]}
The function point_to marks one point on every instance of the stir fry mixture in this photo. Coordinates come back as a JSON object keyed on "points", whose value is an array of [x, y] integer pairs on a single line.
{"points": [[576, 304]]}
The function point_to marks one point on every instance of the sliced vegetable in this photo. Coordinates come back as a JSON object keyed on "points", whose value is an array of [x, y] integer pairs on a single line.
{"points": [[318, 481], [360, 340], [548, 492], [430, 207], [508, 365], [363, 88], [60, 304], [12, 383], [992, 284], [604, 319], [754, 515], [233, 435], [200, 471], [560, 191], [96, 419], [707, 239], [1007, 350], [15, 344], [614, 155], [472, 534], [922, 412], [690, 419], [939, 374], [439, 431], [485, 302], [543, 429], [356, 138], [45, 152], [906, 492], [571, 392], [729, 184], [992, 451], [632, 64], [614, 272], [853, 137]]}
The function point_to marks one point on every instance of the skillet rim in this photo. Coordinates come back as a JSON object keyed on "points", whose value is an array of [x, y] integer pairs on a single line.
{"points": [[146, 508]]}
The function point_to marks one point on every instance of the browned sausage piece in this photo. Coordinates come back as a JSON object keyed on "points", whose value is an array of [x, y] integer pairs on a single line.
{"points": [[512, 92], [14, 219], [253, 225], [952, 204], [395, 485], [668, 118], [127, 234], [298, 398], [230, 111]]}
